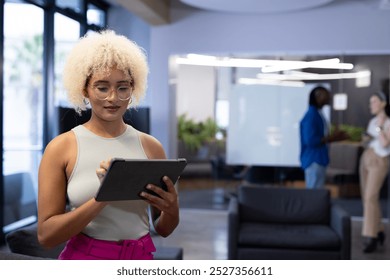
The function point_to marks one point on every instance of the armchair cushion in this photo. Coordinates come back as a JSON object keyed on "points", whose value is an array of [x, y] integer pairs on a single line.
{"points": [[25, 241], [271, 205], [282, 223], [15, 256], [311, 237]]}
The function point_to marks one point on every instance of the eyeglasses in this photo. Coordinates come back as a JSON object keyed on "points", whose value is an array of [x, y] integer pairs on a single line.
{"points": [[103, 92]]}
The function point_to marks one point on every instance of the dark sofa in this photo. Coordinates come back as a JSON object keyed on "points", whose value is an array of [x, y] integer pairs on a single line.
{"points": [[280, 223], [4, 255]]}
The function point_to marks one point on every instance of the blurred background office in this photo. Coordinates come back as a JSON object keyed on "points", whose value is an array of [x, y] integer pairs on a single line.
{"points": [[225, 64]]}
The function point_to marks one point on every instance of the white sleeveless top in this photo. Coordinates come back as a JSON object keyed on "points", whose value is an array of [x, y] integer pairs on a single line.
{"points": [[120, 219], [375, 143]]}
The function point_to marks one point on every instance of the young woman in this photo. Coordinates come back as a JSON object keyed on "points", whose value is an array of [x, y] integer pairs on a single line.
{"points": [[108, 72], [374, 166]]}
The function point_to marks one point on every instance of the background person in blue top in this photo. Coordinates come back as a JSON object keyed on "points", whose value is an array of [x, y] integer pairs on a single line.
{"points": [[315, 136]]}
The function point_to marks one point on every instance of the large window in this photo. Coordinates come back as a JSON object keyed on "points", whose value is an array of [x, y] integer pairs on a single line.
{"points": [[34, 56], [95, 15], [64, 41], [74, 5], [23, 110]]}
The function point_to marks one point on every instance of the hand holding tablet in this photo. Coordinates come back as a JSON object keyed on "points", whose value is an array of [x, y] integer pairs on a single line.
{"points": [[126, 179]]}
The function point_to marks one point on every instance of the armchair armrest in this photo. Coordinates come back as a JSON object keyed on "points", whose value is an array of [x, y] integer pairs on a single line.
{"points": [[340, 222], [233, 222]]}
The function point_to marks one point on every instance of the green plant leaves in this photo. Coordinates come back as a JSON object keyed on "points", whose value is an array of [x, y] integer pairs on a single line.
{"points": [[354, 132], [195, 134]]}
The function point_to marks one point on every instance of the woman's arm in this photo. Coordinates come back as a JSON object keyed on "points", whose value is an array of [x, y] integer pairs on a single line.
{"points": [[165, 209], [384, 135], [55, 225]]}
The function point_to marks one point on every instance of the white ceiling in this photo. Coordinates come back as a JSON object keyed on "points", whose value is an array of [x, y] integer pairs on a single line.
{"points": [[255, 6], [157, 12]]}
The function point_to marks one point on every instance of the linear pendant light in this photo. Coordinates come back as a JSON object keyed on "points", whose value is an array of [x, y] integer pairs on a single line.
{"points": [[266, 65]]}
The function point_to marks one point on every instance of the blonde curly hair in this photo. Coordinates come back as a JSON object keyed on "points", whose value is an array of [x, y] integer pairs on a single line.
{"points": [[99, 53]]}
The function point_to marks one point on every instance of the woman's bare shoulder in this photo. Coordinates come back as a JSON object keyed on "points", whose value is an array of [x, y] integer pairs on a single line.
{"points": [[61, 152], [61, 143], [153, 148]]}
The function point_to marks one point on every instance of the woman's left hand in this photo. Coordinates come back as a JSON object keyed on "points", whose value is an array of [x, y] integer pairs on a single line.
{"points": [[168, 200], [167, 220]]}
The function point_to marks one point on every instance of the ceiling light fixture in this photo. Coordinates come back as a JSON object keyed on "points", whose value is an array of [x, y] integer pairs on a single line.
{"points": [[333, 63], [250, 81], [266, 65], [304, 76], [206, 60]]}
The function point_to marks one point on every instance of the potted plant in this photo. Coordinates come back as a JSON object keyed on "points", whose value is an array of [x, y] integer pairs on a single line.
{"points": [[197, 141], [195, 134]]}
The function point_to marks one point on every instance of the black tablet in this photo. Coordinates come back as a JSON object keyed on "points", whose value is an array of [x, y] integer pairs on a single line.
{"points": [[127, 178]]}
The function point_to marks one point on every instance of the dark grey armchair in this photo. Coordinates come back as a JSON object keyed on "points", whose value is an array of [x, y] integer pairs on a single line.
{"points": [[270, 223]]}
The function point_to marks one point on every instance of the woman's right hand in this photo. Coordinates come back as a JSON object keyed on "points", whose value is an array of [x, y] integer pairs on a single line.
{"points": [[102, 170]]}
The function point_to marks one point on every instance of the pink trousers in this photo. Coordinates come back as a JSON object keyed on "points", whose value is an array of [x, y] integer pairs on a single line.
{"points": [[83, 247]]}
